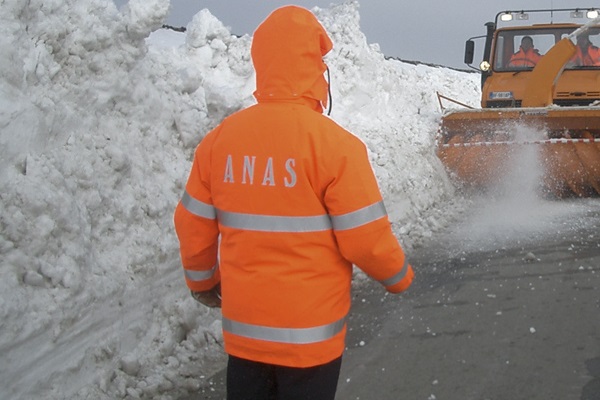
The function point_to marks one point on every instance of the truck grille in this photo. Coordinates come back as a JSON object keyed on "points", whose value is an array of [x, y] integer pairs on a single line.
{"points": [[576, 98]]}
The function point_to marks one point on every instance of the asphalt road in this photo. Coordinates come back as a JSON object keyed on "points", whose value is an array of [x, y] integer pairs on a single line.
{"points": [[505, 306]]}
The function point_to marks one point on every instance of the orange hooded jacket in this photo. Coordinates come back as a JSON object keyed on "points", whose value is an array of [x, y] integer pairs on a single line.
{"points": [[279, 204], [523, 58], [591, 57]]}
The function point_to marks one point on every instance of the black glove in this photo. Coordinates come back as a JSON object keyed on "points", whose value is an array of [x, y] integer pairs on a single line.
{"points": [[210, 298]]}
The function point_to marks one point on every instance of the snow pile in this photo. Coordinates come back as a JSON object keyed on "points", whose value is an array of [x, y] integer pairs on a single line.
{"points": [[393, 107], [98, 121]]}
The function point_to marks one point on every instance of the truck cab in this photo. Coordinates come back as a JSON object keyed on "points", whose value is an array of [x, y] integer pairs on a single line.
{"points": [[506, 66]]}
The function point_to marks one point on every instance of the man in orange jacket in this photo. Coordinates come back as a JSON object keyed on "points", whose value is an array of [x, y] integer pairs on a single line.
{"points": [[280, 203], [527, 56]]}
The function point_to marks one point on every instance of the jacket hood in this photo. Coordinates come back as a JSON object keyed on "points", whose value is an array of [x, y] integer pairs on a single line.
{"points": [[287, 52]]}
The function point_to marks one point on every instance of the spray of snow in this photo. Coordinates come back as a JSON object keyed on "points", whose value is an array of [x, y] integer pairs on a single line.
{"points": [[515, 204], [100, 111], [514, 211]]}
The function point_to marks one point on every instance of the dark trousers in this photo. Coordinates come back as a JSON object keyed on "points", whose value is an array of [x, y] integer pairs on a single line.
{"points": [[251, 380]]}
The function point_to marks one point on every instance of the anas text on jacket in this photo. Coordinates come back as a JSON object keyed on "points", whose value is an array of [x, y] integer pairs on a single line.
{"points": [[269, 170]]}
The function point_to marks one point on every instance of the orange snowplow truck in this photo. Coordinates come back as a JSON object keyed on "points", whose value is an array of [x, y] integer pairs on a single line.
{"points": [[540, 88]]}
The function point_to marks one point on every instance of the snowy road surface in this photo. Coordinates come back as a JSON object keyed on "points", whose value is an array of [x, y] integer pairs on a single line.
{"points": [[506, 306]]}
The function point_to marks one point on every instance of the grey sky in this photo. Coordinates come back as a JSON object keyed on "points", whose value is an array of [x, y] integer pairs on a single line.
{"points": [[431, 31]]}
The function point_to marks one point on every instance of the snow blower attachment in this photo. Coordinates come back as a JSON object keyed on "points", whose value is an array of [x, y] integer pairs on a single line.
{"points": [[547, 98]]}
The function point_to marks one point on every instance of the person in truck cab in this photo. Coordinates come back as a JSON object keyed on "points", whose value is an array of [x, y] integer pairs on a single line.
{"points": [[527, 56], [587, 54]]}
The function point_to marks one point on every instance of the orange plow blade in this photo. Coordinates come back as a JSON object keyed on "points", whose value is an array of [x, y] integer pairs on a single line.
{"points": [[478, 146]]}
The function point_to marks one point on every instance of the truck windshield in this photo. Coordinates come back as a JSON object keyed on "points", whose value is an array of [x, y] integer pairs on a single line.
{"points": [[518, 50]]}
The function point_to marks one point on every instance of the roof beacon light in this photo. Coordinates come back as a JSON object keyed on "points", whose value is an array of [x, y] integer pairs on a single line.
{"points": [[593, 14], [577, 14], [522, 16], [506, 17]]}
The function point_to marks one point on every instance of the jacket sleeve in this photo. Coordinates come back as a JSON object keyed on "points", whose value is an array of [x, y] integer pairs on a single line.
{"points": [[361, 224], [196, 225]]}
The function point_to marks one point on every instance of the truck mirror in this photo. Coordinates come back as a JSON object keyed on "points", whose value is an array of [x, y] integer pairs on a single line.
{"points": [[469, 52]]}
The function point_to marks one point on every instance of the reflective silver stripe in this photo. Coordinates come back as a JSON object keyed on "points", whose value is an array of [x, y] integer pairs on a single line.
{"points": [[360, 217], [198, 276], [284, 335], [269, 223], [197, 207], [398, 277]]}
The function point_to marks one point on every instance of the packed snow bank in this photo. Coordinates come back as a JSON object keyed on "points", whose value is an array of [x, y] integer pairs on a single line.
{"points": [[98, 121]]}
